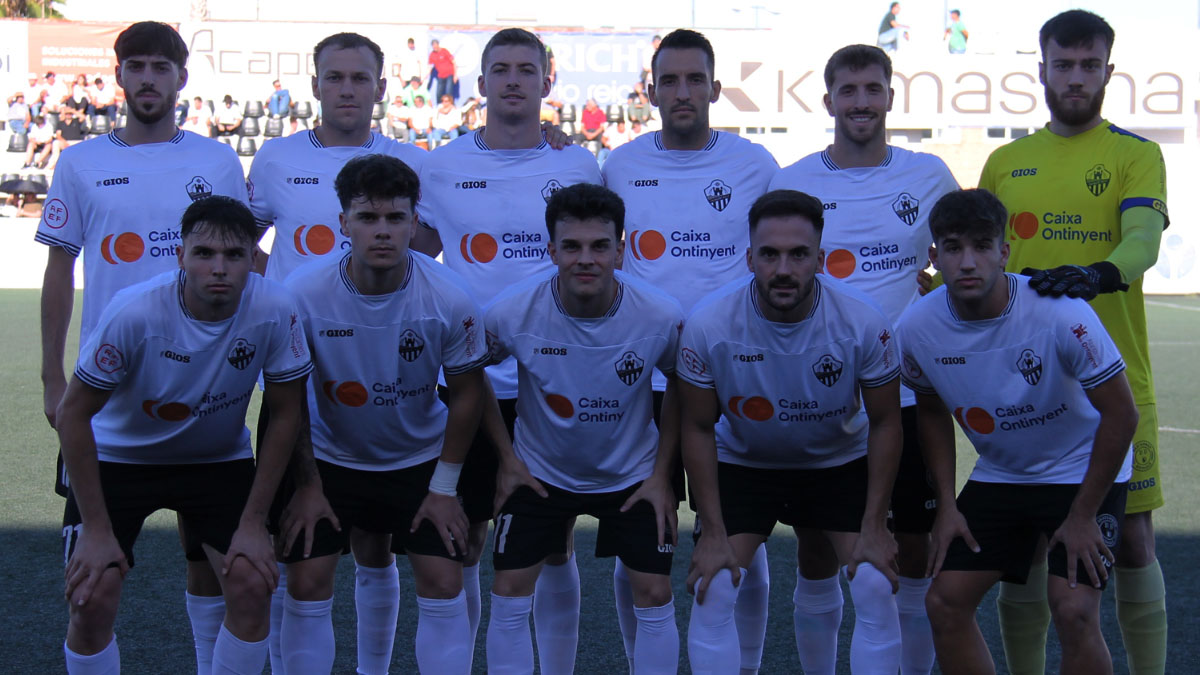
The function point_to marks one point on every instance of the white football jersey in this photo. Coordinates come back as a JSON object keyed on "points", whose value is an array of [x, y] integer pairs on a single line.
{"points": [[585, 418], [789, 392], [373, 393], [687, 212], [291, 188], [489, 208], [120, 205], [1016, 383], [180, 386], [876, 236]]}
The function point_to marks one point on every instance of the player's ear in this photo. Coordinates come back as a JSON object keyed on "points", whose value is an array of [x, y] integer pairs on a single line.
{"points": [[482, 87], [552, 251], [828, 103], [620, 254], [1004, 251], [749, 260], [380, 88], [891, 98], [652, 94], [1042, 73], [716, 91], [183, 78], [546, 86], [1108, 71], [933, 256], [820, 260], [315, 88], [342, 220], [179, 254], [117, 74]]}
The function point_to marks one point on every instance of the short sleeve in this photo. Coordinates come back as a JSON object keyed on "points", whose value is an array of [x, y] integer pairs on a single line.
{"points": [[232, 182], [427, 206], [494, 334], [62, 214], [986, 178], [667, 362], [288, 358], [465, 348], [879, 356], [258, 187], [1084, 346], [694, 363], [911, 373], [106, 360], [1145, 180]]}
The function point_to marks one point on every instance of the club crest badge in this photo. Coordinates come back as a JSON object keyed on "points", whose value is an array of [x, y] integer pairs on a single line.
{"points": [[1097, 179], [906, 207], [828, 370], [1030, 365], [241, 354], [629, 367], [198, 188], [718, 193], [551, 187], [411, 345]]}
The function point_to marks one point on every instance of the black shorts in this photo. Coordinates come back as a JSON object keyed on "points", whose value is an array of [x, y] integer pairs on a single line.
{"points": [[62, 486], [1007, 520], [209, 499], [383, 502], [678, 483], [530, 527], [477, 482], [914, 503], [753, 500]]}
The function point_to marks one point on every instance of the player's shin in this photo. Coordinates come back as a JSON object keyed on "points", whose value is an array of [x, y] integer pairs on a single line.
{"points": [[817, 615], [656, 646], [712, 634], [750, 612], [1024, 619], [556, 616], [875, 647], [306, 636], [377, 603], [443, 635], [509, 643], [626, 619], [205, 614]]}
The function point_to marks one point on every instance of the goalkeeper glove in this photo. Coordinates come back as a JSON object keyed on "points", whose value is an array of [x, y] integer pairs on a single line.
{"points": [[1076, 281]]}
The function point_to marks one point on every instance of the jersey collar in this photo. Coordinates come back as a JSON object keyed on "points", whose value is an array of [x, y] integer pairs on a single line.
{"points": [[713, 136], [312, 136], [344, 274], [1012, 300], [817, 292], [612, 310], [479, 143], [112, 136], [832, 166]]}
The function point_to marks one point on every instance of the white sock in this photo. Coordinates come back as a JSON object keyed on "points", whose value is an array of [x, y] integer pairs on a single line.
{"points": [[377, 603], [232, 656], [471, 588], [556, 617], [712, 634], [817, 615], [206, 614], [107, 661], [750, 612], [443, 640], [657, 645], [916, 637], [875, 647], [509, 644], [276, 621], [306, 636], [626, 619]]}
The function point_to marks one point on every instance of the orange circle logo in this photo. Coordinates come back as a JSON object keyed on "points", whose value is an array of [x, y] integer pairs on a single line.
{"points": [[1023, 225], [352, 394], [840, 263], [478, 248], [126, 247], [647, 244], [975, 419], [755, 408], [561, 405], [169, 412], [318, 241]]}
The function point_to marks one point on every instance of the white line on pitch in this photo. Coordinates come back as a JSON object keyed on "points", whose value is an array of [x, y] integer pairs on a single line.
{"points": [[1180, 431], [1174, 344], [1157, 303]]}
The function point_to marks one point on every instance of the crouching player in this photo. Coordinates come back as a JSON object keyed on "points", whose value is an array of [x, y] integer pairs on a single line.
{"points": [[586, 341], [382, 321], [1038, 387], [155, 418], [803, 373]]}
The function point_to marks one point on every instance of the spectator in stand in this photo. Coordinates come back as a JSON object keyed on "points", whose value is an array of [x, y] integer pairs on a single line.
{"points": [[103, 98], [56, 93], [594, 120], [441, 71], [199, 119], [397, 118], [229, 118], [408, 95], [420, 122], [638, 105], [410, 64], [552, 106], [77, 99], [891, 30], [33, 93], [648, 59], [41, 142], [471, 117], [636, 128], [18, 113], [280, 104], [956, 33], [69, 132], [447, 119], [617, 135]]}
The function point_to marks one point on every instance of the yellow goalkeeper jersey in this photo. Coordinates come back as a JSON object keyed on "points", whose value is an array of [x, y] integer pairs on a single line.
{"points": [[1065, 197]]}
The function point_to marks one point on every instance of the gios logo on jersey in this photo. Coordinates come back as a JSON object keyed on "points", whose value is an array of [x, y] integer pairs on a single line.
{"points": [[198, 188], [303, 180], [482, 248], [1097, 179], [629, 367], [719, 194], [1030, 366], [828, 370], [109, 182], [241, 354], [906, 207], [411, 345]]}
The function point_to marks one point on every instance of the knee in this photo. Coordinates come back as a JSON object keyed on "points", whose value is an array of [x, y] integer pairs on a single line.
{"points": [[91, 623], [873, 599], [719, 600], [476, 541], [308, 586], [1075, 612], [247, 592], [655, 593], [944, 610]]}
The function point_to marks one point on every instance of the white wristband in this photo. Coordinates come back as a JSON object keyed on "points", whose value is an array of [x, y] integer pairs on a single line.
{"points": [[445, 479]]}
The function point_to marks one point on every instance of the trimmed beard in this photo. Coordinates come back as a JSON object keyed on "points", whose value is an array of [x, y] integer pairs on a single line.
{"points": [[1074, 117]]}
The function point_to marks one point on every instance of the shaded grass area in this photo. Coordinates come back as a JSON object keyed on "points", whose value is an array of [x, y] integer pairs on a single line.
{"points": [[153, 627]]}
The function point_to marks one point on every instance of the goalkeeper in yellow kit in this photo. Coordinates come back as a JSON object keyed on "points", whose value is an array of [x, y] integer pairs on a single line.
{"points": [[1087, 205]]}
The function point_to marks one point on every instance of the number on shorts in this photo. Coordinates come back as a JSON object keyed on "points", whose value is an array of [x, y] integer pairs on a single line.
{"points": [[502, 534], [70, 535]]}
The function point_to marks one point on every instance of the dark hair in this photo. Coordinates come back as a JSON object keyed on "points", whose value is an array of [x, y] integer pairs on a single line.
{"points": [[98, 81], [778, 203], [582, 201], [683, 38], [974, 213], [226, 217], [515, 36], [1076, 28], [892, 6], [151, 38], [349, 41], [227, 99], [374, 177], [955, 11], [857, 57]]}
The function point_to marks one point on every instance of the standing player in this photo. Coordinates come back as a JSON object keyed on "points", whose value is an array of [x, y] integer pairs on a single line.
{"points": [[481, 193], [291, 190], [802, 372], [687, 190], [382, 322], [1037, 387], [585, 444], [877, 199], [117, 199], [155, 417], [1088, 206]]}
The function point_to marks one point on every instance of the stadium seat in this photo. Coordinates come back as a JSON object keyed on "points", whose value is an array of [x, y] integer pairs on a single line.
{"points": [[254, 109], [18, 143], [568, 128], [273, 128], [249, 127], [379, 111], [120, 123], [212, 107], [3, 125], [247, 146], [303, 110], [9, 177], [568, 113], [616, 113], [38, 179], [100, 124]]}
